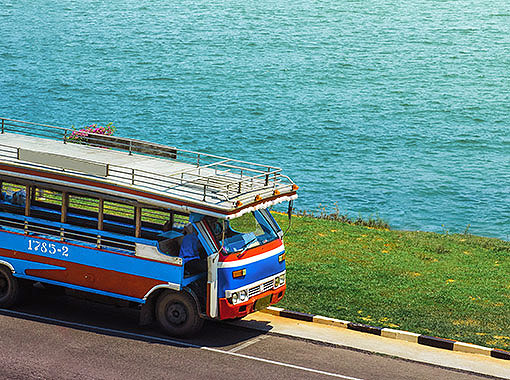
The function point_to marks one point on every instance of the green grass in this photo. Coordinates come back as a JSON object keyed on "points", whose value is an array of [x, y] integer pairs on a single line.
{"points": [[451, 286]]}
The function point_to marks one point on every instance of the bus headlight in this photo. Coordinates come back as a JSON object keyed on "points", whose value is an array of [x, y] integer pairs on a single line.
{"points": [[279, 281], [235, 298], [243, 296]]}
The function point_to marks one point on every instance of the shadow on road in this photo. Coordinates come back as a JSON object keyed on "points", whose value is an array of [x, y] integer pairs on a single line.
{"points": [[58, 309]]}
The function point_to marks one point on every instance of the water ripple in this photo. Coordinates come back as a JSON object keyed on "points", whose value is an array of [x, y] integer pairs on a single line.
{"points": [[383, 110]]}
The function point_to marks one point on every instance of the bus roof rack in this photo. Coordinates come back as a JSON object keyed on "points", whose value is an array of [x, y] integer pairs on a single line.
{"points": [[151, 173]]}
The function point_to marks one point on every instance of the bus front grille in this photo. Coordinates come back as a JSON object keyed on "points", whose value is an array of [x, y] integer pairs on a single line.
{"points": [[268, 285]]}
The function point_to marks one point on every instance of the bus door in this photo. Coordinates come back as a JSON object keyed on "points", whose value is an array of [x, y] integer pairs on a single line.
{"points": [[212, 249]]}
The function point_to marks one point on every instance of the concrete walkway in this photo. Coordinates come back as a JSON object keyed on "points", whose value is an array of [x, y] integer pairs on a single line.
{"points": [[372, 343]]}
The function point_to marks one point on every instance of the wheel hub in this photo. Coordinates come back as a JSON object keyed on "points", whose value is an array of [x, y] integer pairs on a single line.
{"points": [[176, 313]]}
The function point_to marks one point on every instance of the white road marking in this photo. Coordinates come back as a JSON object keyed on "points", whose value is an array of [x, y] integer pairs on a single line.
{"points": [[248, 343], [281, 364], [179, 343]]}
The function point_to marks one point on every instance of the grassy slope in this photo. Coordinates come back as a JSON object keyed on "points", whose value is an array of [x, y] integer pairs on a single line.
{"points": [[451, 286]]}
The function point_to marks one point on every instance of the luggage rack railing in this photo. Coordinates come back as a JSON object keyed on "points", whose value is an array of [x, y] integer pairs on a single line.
{"points": [[210, 177]]}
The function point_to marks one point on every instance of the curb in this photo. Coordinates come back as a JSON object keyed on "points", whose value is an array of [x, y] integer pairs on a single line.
{"points": [[432, 341]]}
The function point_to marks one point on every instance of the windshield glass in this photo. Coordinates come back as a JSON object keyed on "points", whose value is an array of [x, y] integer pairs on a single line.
{"points": [[247, 231]]}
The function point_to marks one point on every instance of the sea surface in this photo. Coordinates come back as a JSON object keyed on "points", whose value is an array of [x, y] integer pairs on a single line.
{"points": [[390, 109]]}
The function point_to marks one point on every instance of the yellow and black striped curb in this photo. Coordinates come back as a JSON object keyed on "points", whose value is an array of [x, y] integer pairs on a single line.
{"points": [[447, 344]]}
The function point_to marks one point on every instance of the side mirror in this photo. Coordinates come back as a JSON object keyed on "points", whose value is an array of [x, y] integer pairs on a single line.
{"points": [[289, 213], [289, 210]]}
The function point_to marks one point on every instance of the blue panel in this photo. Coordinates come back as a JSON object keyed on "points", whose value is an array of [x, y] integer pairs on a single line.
{"points": [[124, 263], [254, 272]]}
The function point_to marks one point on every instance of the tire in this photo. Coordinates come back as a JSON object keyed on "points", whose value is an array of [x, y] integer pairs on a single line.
{"points": [[10, 290], [177, 314]]}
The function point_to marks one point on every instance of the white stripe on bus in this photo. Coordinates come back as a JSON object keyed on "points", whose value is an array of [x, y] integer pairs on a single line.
{"points": [[253, 259]]}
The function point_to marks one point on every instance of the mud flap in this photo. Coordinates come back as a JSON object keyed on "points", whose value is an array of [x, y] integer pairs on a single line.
{"points": [[147, 313]]}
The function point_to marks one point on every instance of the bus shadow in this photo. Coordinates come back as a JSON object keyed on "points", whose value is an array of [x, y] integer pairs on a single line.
{"points": [[58, 309]]}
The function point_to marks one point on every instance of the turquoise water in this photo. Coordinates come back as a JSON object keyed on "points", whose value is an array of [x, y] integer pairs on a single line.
{"points": [[389, 108]]}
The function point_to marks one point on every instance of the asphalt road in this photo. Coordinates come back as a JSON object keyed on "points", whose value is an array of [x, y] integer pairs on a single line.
{"points": [[59, 337]]}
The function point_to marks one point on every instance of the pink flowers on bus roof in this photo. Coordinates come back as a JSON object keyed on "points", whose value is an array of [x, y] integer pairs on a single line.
{"points": [[79, 134]]}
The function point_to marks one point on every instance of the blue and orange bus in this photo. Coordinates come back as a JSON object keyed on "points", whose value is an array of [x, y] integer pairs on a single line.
{"points": [[112, 216]]}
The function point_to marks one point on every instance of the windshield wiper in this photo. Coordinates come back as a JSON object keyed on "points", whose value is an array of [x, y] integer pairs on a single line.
{"points": [[240, 254]]}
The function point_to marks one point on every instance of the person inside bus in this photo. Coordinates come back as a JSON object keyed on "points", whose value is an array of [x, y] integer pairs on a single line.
{"points": [[190, 252], [17, 198]]}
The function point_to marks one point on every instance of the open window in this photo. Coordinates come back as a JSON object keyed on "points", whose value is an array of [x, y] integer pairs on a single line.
{"points": [[119, 218], [153, 222], [12, 197], [82, 211], [46, 204], [165, 226]]}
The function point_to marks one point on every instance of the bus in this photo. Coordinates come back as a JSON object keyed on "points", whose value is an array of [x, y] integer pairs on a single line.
{"points": [[183, 236]]}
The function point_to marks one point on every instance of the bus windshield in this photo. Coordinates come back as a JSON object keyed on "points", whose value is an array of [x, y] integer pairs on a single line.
{"points": [[248, 231]]}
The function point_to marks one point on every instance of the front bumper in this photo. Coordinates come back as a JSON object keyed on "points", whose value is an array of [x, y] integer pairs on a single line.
{"points": [[230, 311]]}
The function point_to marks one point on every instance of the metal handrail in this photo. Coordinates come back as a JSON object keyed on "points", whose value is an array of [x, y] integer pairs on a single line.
{"points": [[128, 140], [222, 179]]}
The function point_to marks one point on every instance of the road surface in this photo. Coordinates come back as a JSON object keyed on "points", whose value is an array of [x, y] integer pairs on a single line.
{"points": [[59, 337]]}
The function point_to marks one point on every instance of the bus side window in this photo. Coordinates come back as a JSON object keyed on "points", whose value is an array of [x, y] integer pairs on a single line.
{"points": [[119, 218], [46, 204], [164, 226], [12, 198], [82, 211], [156, 222], [153, 222]]}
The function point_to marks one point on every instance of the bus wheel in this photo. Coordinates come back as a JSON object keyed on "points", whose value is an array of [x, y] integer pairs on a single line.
{"points": [[9, 288], [177, 313]]}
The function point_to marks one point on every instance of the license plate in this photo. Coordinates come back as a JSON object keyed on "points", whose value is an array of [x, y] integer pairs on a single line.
{"points": [[262, 303]]}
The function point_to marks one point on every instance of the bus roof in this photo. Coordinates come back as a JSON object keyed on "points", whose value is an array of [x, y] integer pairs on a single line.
{"points": [[150, 173]]}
